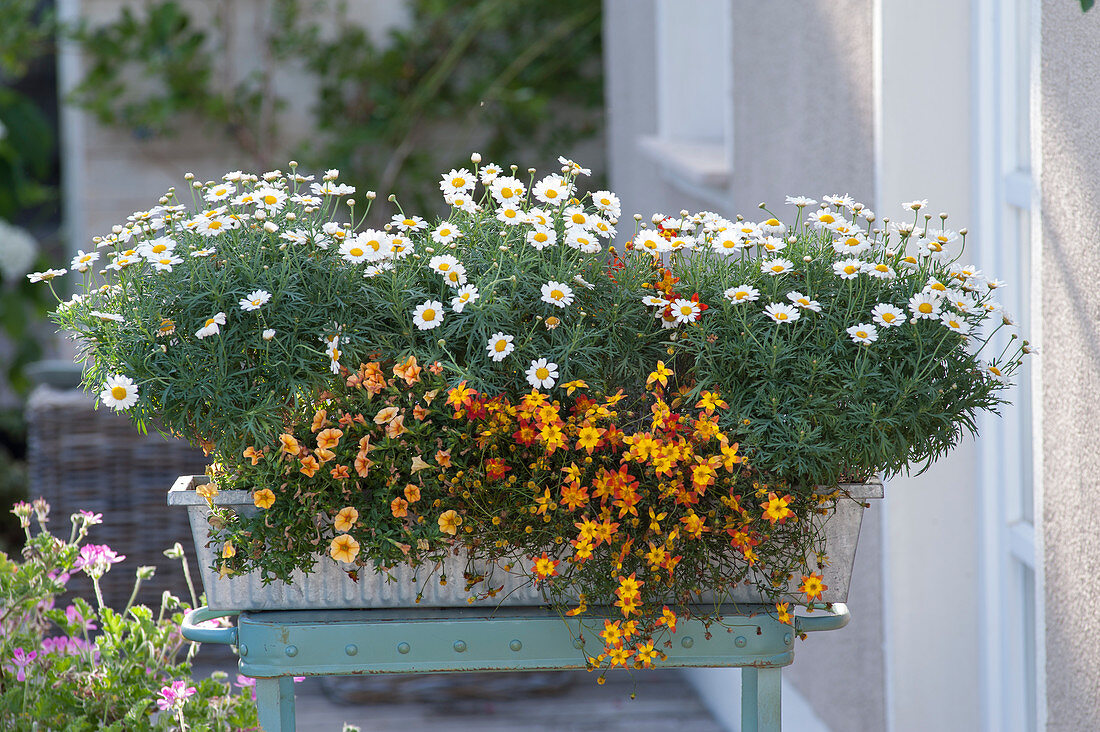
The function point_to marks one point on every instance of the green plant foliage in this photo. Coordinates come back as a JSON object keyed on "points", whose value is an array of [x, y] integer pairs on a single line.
{"points": [[86, 667]]}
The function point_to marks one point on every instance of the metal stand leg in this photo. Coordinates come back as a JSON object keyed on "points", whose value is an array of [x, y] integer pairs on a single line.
{"points": [[761, 696], [275, 704]]}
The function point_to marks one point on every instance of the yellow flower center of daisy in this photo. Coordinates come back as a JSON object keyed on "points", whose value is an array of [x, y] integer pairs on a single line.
{"points": [[889, 317], [270, 200], [444, 232], [118, 392], [772, 222], [851, 242], [861, 334], [851, 269], [157, 249], [780, 316], [939, 286], [556, 294], [452, 276], [542, 373], [464, 297], [356, 252], [934, 246], [995, 370], [953, 323], [458, 182], [803, 301], [685, 310], [500, 345], [741, 295], [257, 302], [444, 266], [924, 308], [409, 222], [428, 314], [882, 268], [827, 218], [578, 218], [509, 213], [541, 237], [506, 193], [209, 321], [778, 268], [551, 193]]}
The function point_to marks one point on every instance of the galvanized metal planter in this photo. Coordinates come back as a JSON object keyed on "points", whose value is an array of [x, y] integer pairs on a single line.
{"points": [[329, 587]]}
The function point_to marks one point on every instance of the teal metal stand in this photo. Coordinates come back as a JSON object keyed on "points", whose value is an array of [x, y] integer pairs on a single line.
{"points": [[276, 646]]}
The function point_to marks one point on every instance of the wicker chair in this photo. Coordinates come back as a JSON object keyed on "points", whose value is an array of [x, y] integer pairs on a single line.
{"points": [[79, 457]]}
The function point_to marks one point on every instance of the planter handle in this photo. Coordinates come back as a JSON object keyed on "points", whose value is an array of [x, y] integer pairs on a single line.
{"points": [[835, 617], [192, 632]]}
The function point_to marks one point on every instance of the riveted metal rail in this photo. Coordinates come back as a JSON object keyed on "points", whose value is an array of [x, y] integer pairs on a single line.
{"points": [[274, 646]]}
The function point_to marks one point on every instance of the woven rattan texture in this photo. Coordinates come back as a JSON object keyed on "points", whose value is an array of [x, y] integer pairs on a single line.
{"points": [[80, 457]]}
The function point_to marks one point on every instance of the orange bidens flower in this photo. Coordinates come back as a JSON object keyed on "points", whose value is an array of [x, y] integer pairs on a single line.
{"points": [[310, 466], [345, 519], [399, 507], [544, 567], [812, 586], [408, 371], [449, 521], [289, 445], [253, 454], [775, 508], [412, 493], [330, 438], [263, 498], [495, 468]]}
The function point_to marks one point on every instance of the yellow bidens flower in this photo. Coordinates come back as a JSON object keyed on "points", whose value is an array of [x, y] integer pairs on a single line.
{"points": [[812, 586], [344, 548]]}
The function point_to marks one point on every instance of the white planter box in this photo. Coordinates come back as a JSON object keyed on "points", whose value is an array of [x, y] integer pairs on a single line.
{"points": [[329, 587]]}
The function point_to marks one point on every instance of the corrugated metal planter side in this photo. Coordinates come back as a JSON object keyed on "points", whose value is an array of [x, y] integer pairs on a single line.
{"points": [[330, 587]]}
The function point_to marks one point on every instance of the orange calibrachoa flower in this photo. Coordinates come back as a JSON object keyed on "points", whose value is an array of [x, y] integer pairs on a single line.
{"points": [[408, 371], [289, 445], [345, 519], [449, 521], [330, 438], [412, 493], [443, 457], [344, 548], [812, 586], [263, 498], [399, 507], [309, 467], [253, 454]]}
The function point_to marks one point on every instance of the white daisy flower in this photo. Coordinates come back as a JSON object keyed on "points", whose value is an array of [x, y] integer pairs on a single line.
{"points": [[915, 205], [747, 230], [538, 217], [655, 302], [961, 301], [268, 334], [801, 201], [542, 374], [904, 229], [772, 227], [742, 293], [204, 252], [552, 190], [510, 215], [297, 236], [840, 201], [461, 201], [219, 192], [650, 241], [887, 315], [46, 276], [374, 270], [822, 218], [246, 198], [802, 301], [455, 276], [772, 244], [781, 312], [573, 166], [398, 247], [113, 317], [408, 223], [457, 181], [935, 288], [776, 266], [848, 269], [329, 188], [210, 327], [333, 353], [582, 240], [445, 233], [726, 242], [583, 282], [608, 203], [270, 199], [214, 226], [165, 262], [489, 173], [83, 261], [499, 346], [507, 190], [924, 306], [375, 243], [466, 295], [557, 293], [428, 315], [119, 392], [996, 373], [955, 323], [442, 263], [880, 270], [541, 238], [865, 334], [255, 300], [909, 262], [352, 251], [604, 229], [684, 311], [575, 216], [852, 245]]}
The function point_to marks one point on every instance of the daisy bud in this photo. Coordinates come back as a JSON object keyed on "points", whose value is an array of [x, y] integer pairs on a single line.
{"points": [[890, 252], [370, 195], [96, 239], [188, 176], [637, 217], [683, 212], [656, 218], [260, 214], [475, 158], [792, 239], [740, 217], [943, 216], [293, 164], [964, 232], [762, 204], [513, 168], [162, 200], [351, 203], [270, 227], [441, 342], [196, 185], [391, 198], [268, 334], [290, 216], [146, 573], [116, 229], [870, 217], [531, 171], [807, 258]]}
